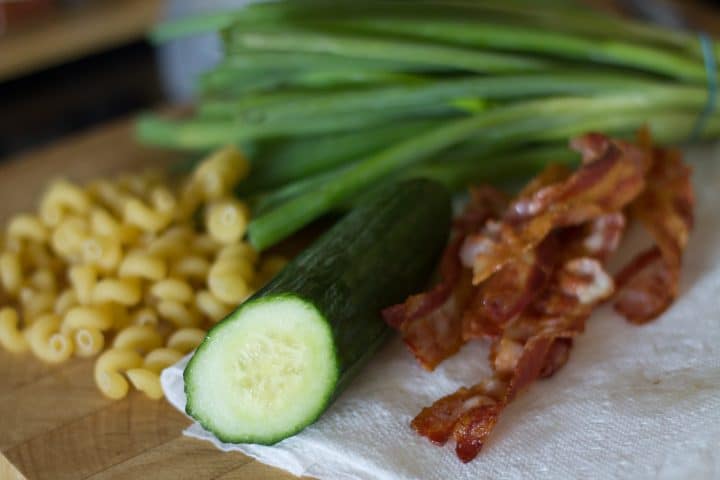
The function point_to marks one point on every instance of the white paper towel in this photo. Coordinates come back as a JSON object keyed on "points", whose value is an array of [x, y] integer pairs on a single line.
{"points": [[632, 402]]}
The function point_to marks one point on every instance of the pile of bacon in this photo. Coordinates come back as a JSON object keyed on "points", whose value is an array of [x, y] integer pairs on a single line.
{"points": [[526, 274]]}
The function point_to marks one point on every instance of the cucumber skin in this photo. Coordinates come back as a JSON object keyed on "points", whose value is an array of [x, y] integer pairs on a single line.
{"points": [[385, 249]]}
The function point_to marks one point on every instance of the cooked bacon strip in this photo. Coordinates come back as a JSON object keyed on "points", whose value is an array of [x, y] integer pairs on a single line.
{"points": [[505, 294], [541, 356], [431, 322], [602, 236], [535, 345], [590, 146], [649, 287], [531, 297], [472, 428], [438, 421], [486, 202], [437, 335], [649, 284], [603, 185], [418, 306], [557, 357]]}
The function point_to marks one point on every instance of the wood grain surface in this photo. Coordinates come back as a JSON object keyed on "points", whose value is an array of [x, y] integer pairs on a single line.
{"points": [[54, 424]]}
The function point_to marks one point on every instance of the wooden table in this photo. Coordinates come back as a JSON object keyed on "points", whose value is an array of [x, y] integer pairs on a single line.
{"points": [[54, 424]]}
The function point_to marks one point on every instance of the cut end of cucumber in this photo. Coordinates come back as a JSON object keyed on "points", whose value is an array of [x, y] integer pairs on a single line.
{"points": [[263, 374]]}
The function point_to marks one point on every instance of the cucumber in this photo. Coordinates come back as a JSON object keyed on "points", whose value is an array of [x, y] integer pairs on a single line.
{"points": [[276, 363]]}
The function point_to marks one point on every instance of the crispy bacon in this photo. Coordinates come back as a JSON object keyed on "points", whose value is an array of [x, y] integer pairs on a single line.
{"points": [[603, 185], [650, 282], [505, 294], [485, 203], [418, 306], [472, 428], [649, 287], [533, 346], [602, 236], [437, 422], [541, 356], [431, 322], [538, 272], [590, 146], [556, 357]]}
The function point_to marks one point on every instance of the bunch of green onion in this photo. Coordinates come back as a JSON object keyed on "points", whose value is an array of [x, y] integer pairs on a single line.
{"points": [[335, 97]]}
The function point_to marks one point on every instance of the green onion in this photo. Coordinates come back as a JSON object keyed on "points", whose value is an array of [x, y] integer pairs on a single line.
{"points": [[337, 97]]}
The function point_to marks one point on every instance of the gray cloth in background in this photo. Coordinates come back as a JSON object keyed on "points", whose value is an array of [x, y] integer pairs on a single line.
{"points": [[183, 60]]}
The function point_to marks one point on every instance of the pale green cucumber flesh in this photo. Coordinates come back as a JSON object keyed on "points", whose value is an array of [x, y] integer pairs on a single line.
{"points": [[265, 373]]}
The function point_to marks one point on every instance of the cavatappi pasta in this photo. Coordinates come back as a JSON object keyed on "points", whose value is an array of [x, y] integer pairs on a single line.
{"points": [[124, 271]]}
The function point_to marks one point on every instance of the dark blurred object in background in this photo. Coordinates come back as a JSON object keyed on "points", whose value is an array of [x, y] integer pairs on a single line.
{"points": [[47, 105], [66, 65]]}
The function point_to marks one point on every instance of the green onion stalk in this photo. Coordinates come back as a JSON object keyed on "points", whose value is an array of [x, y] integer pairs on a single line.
{"points": [[335, 97]]}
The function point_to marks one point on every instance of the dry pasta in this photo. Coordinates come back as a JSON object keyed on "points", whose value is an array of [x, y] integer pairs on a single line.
{"points": [[65, 301], [226, 220], [205, 245], [83, 279], [11, 338], [163, 201], [108, 194], [68, 237], [121, 316], [98, 317], [135, 184], [28, 227], [47, 342], [102, 223], [36, 255], [36, 302], [186, 339], [88, 342], [107, 371], [137, 213], [171, 244], [172, 289], [144, 316], [240, 250], [211, 306], [230, 280], [103, 252], [63, 196], [11, 244], [125, 291], [146, 381], [194, 267], [123, 266], [161, 358], [138, 337], [143, 265], [220, 172], [11, 274], [178, 314], [43, 279]]}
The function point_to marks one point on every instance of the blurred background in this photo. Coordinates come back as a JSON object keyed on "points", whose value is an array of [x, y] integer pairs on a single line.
{"points": [[66, 65]]}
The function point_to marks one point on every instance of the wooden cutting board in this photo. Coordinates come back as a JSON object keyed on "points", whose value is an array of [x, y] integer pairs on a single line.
{"points": [[54, 424]]}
